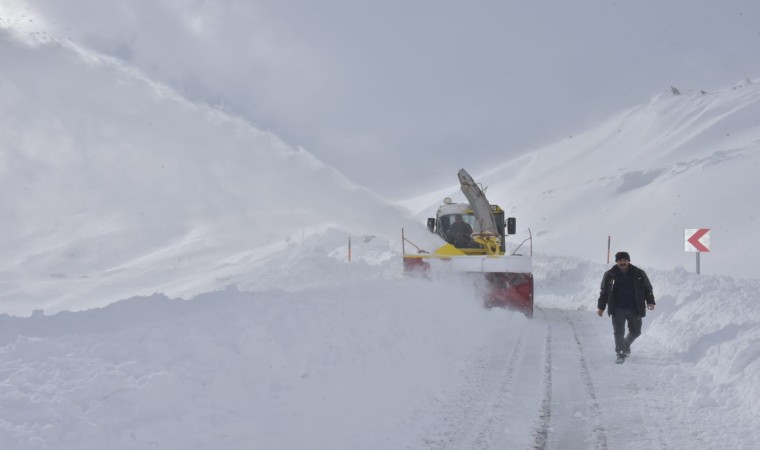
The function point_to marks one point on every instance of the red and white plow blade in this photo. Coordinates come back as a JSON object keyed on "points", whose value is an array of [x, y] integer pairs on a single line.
{"points": [[503, 281]]}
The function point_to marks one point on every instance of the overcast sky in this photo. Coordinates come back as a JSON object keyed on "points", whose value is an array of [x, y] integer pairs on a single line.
{"points": [[365, 84]]}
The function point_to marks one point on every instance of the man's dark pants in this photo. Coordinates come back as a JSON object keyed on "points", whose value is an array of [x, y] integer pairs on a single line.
{"points": [[619, 317]]}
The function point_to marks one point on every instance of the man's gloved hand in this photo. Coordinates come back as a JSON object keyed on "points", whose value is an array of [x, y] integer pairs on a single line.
{"points": [[599, 312]]}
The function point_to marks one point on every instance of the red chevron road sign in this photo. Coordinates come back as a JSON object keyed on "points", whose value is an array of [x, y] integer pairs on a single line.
{"points": [[697, 240]]}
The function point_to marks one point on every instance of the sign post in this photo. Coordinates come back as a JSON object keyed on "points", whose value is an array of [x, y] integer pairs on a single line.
{"points": [[697, 240]]}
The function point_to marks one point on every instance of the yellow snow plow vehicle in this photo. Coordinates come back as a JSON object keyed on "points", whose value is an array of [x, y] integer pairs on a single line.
{"points": [[475, 235]]}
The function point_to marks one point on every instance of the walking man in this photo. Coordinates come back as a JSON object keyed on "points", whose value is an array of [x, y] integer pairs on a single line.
{"points": [[626, 293]]}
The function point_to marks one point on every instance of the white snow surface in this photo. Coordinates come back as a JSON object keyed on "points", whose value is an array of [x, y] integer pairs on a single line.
{"points": [[176, 278]]}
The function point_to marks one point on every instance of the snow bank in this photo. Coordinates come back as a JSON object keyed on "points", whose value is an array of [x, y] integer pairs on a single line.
{"points": [[235, 369], [348, 363]]}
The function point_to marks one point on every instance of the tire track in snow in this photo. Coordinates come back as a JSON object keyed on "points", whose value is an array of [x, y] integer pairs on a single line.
{"points": [[604, 396], [498, 402], [541, 430], [600, 434], [651, 430], [485, 391]]}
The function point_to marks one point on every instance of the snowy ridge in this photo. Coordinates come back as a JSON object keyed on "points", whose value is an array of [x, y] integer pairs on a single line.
{"points": [[125, 180], [680, 161]]}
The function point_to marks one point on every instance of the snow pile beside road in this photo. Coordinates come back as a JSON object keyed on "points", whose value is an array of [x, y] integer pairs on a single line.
{"points": [[714, 323], [335, 367], [362, 363]]}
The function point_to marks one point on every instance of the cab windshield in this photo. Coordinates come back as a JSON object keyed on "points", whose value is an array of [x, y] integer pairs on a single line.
{"points": [[447, 220]]}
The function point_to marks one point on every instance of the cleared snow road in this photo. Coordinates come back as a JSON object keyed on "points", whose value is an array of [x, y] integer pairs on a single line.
{"points": [[371, 366], [557, 387]]}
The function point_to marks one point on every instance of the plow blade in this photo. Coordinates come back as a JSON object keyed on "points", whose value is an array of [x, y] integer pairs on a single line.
{"points": [[504, 281], [510, 290]]}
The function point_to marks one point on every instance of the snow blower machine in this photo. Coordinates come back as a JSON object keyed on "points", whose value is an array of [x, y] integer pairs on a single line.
{"points": [[475, 235]]}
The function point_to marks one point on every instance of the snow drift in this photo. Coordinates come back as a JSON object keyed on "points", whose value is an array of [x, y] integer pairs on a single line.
{"points": [[109, 178]]}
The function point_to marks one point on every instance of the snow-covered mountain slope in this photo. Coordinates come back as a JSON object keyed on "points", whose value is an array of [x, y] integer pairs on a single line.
{"points": [[113, 186], [643, 177]]}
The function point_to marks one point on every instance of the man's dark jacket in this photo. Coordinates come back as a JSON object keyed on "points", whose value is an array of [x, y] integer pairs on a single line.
{"points": [[642, 290]]}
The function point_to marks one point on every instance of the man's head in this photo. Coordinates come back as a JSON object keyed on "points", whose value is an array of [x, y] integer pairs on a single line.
{"points": [[458, 218], [623, 260]]}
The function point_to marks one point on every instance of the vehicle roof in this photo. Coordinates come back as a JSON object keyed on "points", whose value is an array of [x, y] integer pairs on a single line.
{"points": [[454, 208], [460, 208]]}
